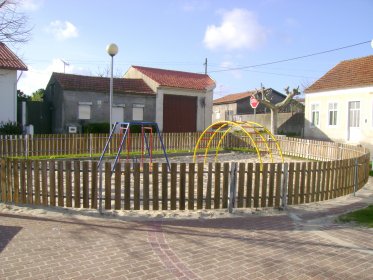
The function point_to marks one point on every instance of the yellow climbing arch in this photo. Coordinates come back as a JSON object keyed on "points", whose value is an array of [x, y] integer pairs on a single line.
{"points": [[255, 135]]}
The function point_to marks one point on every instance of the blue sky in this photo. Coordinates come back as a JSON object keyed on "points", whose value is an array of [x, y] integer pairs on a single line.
{"points": [[180, 34]]}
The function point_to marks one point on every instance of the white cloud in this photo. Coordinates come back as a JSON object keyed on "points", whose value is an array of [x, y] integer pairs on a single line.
{"points": [[34, 78], [239, 29], [62, 30]]}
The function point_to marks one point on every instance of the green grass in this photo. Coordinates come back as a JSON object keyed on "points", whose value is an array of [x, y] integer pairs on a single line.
{"points": [[370, 169], [172, 152], [363, 217]]}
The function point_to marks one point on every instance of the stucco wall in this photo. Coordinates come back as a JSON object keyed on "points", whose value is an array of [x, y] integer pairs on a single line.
{"points": [[340, 132], [8, 94], [221, 110]]}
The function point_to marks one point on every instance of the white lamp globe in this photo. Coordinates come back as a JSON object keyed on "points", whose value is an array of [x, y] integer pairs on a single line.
{"points": [[112, 49]]}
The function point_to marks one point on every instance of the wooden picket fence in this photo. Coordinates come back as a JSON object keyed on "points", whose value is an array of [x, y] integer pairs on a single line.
{"points": [[340, 170]]}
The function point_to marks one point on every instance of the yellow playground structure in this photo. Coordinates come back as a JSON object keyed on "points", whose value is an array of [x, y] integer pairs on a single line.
{"points": [[253, 134]]}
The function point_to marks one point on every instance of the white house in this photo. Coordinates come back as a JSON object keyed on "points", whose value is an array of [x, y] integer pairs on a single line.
{"points": [[339, 106], [183, 99], [9, 64]]}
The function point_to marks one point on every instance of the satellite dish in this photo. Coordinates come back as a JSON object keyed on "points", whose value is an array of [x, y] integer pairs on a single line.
{"points": [[371, 44]]}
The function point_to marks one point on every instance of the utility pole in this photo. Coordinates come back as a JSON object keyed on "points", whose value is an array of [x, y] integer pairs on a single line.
{"points": [[205, 66]]}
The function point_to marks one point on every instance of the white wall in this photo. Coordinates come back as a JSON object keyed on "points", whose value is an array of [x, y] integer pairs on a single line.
{"points": [[220, 109], [340, 132], [8, 95]]}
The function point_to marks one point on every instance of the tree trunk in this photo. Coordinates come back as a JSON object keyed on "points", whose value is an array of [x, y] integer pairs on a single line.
{"points": [[274, 119]]}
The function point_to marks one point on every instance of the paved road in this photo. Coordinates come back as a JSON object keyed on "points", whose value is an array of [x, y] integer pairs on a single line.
{"points": [[303, 242]]}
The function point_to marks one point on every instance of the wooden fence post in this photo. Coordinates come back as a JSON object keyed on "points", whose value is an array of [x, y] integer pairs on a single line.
{"points": [[100, 189], [285, 174], [232, 187], [356, 176]]}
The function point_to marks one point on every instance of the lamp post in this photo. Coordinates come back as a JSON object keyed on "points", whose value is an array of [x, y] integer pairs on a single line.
{"points": [[112, 50]]}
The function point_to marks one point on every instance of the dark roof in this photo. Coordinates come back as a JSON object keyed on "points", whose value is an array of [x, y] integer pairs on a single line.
{"points": [[178, 79], [234, 97], [101, 84], [347, 74], [8, 60]]}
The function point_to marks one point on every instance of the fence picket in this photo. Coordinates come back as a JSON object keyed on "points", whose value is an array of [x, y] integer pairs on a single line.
{"points": [[117, 186], [69, 199], [217, 185], [173, 185], [191, 172], [60, 175], [241, 183], [136, 186], [182, 186], [225, 184], [85, 184], [77, 184], [52, 183], [146, 168]]}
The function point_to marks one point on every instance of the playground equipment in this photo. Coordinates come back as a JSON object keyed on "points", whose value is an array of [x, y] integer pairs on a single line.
{"points": [[254, 134], [124, 129]]}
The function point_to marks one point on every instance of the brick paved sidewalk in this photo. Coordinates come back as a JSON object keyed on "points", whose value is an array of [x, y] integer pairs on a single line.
{"points": [[301, 243]]}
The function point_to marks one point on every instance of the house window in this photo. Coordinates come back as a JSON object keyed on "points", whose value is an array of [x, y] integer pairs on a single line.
{"points": [[84, 110], [354, 116], [315, 115], [217, 115], [333, 114], [138, 112]]}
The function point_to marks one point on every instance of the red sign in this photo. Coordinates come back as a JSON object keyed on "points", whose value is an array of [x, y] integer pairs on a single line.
{"points": [[254, 102]]}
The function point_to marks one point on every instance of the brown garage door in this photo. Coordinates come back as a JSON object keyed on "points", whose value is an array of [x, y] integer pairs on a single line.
{"points": [[179, 113]]}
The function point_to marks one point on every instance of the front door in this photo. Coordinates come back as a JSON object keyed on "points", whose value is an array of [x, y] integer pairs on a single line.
{"points": [[354, 132]]}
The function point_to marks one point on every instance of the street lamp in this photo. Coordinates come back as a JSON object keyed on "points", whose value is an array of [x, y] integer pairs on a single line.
{"points": [[112, 50]]}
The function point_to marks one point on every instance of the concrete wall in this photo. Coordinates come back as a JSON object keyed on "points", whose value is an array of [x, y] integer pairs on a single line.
{"points": [[65, 107], [220, 111], [8, 93], [340, 132], [288, 123]]}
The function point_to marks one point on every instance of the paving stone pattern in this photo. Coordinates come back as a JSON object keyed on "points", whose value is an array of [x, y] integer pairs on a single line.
{"points": [[298, 244]]}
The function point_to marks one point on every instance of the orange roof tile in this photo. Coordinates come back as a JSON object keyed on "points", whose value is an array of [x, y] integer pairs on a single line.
{"points": [[8, 60], [347, 74], [101, 84], [178, 79]]}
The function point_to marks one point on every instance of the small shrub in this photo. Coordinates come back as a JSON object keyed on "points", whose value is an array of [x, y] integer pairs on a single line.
{"points": [[96, 128], [10, 128]]}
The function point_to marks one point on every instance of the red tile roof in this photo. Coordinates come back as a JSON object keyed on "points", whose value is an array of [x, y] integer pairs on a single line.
{"points": [[101, 84], [347, 74], [178, 79], [8, 60], [232, 98]]}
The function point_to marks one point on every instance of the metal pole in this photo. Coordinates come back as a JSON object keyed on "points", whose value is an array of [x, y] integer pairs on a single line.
{"points": [[111, 92]]}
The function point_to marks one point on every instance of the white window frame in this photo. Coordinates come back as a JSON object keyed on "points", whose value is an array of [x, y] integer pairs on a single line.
{"points": [[333, 122], [138, 112], [354, 114], [84, 110], [315, 110]]}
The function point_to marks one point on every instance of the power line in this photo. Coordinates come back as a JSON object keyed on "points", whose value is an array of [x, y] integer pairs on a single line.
{"points": [[290, 59]]}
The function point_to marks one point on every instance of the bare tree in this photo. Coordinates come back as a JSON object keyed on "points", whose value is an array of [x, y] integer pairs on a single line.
{"points": [[265, 100], [13, 24]]}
